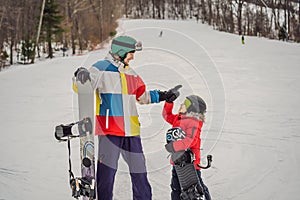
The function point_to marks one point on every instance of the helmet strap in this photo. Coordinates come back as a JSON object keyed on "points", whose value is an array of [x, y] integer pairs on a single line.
{"points": [[115, 56]]}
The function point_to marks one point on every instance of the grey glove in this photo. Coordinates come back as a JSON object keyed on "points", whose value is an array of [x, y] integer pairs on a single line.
{"points": [[169, 147], [82, 75]]}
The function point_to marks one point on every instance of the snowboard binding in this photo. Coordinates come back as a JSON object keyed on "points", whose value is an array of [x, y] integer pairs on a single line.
{"points": [[64, 133], [84, 186], [191, 188], [187, 175]]}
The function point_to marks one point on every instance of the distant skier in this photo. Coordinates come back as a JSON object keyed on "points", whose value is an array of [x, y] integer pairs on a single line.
{"points": [[64, 50], [161, 33], [190, 118], [243, 39], [118, 89]]}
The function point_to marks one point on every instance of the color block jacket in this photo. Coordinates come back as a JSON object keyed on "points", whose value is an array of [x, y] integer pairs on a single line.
{"points": [[118, 88]]}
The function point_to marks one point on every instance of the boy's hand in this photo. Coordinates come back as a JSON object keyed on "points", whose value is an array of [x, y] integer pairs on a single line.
{"points": [[170, 95], [169, 147]]}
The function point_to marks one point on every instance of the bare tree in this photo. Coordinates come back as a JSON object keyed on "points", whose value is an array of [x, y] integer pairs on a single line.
{"points": [[39, 31], [239, 17]]}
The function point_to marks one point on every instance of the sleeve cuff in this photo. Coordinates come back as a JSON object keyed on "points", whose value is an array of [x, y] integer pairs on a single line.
{"points": [[154, 96]]}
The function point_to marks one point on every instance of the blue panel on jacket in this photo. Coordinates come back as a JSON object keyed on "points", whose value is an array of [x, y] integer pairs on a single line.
{"points": [[113, 102], [104, 65]]}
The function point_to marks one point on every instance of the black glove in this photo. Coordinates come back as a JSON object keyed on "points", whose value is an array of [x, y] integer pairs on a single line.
{"points": [[82, 75], [169, 147], [170, 95]]}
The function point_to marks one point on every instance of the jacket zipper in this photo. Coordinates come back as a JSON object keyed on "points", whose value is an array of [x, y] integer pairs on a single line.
{"points": [[106, 121]]}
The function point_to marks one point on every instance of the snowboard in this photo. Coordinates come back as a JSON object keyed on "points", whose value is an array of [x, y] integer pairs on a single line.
{"points": [[86, 133], [185, 168], [187, 175]]}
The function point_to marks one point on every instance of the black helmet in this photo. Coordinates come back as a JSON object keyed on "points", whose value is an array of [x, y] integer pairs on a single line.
{"points": [[196, 104]]}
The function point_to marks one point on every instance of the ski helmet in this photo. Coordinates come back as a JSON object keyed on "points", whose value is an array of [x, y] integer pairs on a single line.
{"points": [[122, 45], [194, 103]]}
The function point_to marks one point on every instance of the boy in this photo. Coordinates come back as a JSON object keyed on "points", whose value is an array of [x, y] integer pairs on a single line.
{"points": [[190, 119]]}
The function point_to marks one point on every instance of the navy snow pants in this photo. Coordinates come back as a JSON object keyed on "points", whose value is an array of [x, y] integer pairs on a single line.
{"points": [[109, 149], [175, 186]]}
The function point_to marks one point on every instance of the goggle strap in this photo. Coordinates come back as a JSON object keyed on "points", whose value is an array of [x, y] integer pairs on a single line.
{"points": [[137, 46]]}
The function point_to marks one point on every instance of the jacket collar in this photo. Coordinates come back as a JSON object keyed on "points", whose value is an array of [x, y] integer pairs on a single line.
{"points": [[114, 61]]}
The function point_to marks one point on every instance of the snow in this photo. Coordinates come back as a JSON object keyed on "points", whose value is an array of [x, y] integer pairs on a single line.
{"points": [[252, 128]]}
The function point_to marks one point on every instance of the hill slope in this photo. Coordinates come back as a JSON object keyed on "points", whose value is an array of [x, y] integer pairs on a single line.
{"points": [[252, 128]]}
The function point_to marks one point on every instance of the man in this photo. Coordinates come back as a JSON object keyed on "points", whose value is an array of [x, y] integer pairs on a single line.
{"points": [[118, 88]]}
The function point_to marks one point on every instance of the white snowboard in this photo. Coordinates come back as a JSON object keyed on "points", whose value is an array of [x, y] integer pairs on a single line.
{"points": [[87, 150]]}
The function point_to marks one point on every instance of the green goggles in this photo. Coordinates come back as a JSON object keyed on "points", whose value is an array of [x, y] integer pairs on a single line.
{"points": [[187, 103]]}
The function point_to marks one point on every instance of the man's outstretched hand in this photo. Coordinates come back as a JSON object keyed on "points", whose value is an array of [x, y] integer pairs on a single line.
{"points": [[170, 95]]}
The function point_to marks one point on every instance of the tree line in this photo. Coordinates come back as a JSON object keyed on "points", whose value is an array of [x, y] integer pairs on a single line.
{"points": [[43, 24], [29, 27], [276, 19]]}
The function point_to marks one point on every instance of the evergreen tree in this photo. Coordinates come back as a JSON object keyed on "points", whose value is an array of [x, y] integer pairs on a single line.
{"points": [[27, 51], [51, 23]]}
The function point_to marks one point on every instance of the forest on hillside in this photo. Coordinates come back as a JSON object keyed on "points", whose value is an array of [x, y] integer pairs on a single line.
{"points": [[29, 27], [266, 18], [52, 24]]}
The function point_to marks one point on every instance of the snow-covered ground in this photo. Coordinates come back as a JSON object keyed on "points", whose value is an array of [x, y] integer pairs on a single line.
{"points": [[253, 119]]}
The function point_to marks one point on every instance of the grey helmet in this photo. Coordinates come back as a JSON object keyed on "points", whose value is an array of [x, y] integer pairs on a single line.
{"points": [[196, 104]]}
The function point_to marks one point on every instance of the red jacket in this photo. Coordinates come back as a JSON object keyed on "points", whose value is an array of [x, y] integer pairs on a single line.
{"points": [[190, 125]]}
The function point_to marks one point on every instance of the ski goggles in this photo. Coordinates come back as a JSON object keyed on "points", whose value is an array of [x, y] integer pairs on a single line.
{"points": [[187, 103], [135, 47]]}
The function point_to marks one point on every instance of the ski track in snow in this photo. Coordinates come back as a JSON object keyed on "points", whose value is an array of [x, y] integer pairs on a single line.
{"points": [[12, 179], [255, 142]]}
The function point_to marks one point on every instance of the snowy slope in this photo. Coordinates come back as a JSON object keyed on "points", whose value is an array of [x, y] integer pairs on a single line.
{"points": [[252, 128]]}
